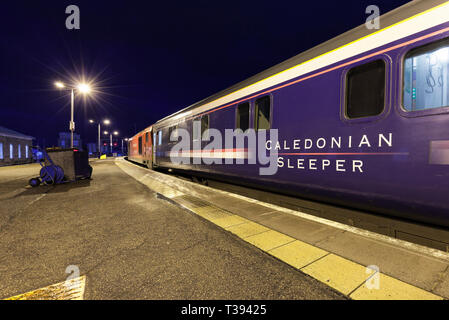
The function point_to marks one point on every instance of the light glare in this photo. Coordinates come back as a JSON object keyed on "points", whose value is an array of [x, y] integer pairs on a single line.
{"points": [[59, 85], [84, 88]]}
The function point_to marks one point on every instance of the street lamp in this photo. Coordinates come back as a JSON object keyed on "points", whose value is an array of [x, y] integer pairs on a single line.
{"points": [[123, 151], [106, 122], [115, 133], [81, 87]]}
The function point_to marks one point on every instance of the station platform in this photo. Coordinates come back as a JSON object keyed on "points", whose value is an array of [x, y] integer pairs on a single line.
{"points": [[112, 238], [360, 264]]}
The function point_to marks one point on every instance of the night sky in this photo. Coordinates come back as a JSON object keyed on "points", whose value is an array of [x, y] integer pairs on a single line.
{"points": [[149, 58]]}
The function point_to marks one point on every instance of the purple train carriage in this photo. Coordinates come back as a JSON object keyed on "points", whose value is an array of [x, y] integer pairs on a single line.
{"points": [[362, 119]]}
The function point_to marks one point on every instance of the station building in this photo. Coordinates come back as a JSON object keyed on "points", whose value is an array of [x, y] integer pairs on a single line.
{"points": [[15, 147]]}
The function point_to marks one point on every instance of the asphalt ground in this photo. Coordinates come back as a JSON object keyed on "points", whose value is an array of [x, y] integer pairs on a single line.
{"points": [[129, 244]]}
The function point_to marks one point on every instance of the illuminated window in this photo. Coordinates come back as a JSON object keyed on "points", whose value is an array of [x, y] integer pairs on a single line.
{"points": [[1, 151], [243, 116], [11, 151], [19, 151], [262, 113], [160, 137], [26, 151], [426, 77], [365, 90], [204, 127]]}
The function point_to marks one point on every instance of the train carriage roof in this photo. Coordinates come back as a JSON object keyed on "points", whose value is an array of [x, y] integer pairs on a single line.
{"points": [[408, 10]]}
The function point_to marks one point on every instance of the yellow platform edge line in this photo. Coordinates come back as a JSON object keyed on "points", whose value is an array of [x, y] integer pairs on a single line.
{"points": [[330, 269], [72, 289], [391, 289]]}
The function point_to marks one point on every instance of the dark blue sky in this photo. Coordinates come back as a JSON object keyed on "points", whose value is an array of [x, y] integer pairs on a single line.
{"points": [[151, 58]]}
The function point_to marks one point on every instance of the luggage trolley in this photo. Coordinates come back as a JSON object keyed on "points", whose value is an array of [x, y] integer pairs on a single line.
{"points": [[63, 166]]}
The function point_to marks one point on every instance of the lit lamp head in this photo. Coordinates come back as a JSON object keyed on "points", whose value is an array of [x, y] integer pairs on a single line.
{"points": [[91, 121], [116, 133], [59, 85], [107, 122], [106, 132], [84, 88]]}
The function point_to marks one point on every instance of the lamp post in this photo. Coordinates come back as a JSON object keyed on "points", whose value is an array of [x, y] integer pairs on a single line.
{"points": [[123, 151], [115, 133], [83, 88], [106, 122]]}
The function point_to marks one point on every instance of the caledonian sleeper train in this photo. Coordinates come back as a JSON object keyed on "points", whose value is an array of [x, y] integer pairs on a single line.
{"points": [[363, 120]]}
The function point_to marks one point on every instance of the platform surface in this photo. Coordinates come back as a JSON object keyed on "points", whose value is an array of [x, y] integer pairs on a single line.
{"points": [[127, 243], [340, 256]]}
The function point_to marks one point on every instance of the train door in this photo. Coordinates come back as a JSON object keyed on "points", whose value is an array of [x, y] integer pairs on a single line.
{"points": [[140, 142], [150, 148], [145, 149], [154, 147]]}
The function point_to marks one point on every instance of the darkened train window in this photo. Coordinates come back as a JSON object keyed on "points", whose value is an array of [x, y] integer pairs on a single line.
{"points": [[365, 90], [426, 77], [140, 145], [262, 113], [146, 137], [170, 130], [243, 116], [173, 131], [204, 127]]}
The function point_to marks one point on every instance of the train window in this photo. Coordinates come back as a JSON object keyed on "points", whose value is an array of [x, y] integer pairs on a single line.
{"points": [[426, 77], [196, 134], [1, 151], [146, 137], [262, 113], [365, 90], [243, 116], [140, 145], [159, 137], [204, 127]]}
